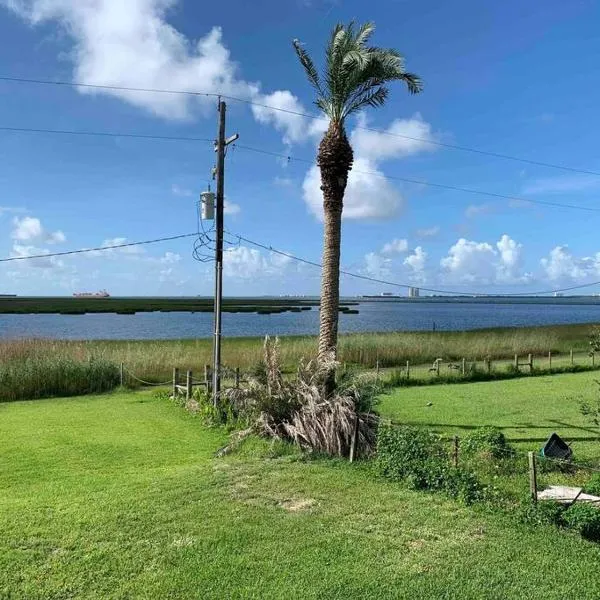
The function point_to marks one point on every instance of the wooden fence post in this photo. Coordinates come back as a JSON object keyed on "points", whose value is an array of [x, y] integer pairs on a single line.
{"points": [[122, 374], [208, 379], [377, 369], [517, 362], [354, 439], [455, 451], [464, 366], [571, 357], [488, 364], [175, 381], [532, 476], [188, 385], [237, 377], [530, 361], [407, 369], [550, 359], [437, 367]]}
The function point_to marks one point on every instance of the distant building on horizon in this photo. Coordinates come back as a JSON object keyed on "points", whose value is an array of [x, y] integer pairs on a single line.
{"points": [[414, 292]]}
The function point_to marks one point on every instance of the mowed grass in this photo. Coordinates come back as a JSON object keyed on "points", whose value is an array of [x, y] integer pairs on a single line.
{"points": [[527, 410], [119, 496]]}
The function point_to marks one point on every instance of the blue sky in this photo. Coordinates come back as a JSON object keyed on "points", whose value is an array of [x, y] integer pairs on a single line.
{"points": [[513, 78]]}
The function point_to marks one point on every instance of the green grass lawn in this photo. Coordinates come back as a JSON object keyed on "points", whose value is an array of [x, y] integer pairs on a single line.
{"points": [[528, 410], [119, 496]]}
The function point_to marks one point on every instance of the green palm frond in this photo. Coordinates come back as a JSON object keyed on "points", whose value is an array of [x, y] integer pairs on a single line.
{"points": [[309, 66], [355, 74]]}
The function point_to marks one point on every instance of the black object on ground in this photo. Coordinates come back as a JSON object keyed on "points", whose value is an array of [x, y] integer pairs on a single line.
{"points": [[556, 447]]}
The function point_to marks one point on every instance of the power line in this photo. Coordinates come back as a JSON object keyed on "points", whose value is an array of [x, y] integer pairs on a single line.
{"points": [[305, 115], [99, 248], [405, 285], [290, 158], [429, 183], [106, 134], [297, 259]]}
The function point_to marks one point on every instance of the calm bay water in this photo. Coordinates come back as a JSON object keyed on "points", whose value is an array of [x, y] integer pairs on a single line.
{"points": [[374, 316]]}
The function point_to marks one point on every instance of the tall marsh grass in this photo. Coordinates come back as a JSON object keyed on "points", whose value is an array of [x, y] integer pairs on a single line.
{"points": [[68, 367], [43, 377]]}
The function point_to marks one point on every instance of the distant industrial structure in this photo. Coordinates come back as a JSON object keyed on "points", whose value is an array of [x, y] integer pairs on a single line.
{"points": [[414, 292]]}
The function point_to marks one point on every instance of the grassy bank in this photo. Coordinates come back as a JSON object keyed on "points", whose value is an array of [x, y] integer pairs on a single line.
{"points": [[119, 497], [154, 360]]}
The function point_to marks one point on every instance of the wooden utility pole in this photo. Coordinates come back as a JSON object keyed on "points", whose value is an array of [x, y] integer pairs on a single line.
{"points": [[220, 147]]}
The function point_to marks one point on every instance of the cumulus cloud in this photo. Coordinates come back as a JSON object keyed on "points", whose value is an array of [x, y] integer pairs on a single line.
{"points": [[131, 44], [286, 113], [30, 229], [23, 250], [561, 264], [417, 263], [403, 137], [369, 195], [377, 265], [396, 246], [480, 262], [246, 263]]}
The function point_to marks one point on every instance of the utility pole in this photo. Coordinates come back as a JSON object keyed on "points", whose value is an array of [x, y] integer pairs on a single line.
{"points": [[220, 147]]}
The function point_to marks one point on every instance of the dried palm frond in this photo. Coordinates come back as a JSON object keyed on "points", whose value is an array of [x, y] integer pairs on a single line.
{"points": [[298, 410]]}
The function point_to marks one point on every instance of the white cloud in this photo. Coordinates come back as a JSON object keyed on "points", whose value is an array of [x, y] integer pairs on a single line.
{"points": [[130, 44], [231, 208], [170, 258], [368, 196], [246, 263], [130, 251], [428, 232], [470, 261], [377, 266], [561, 264], [396, 246], [402, 138], [417, 262], [30, 229], [21, 250], [480, 262], [284, 111], [510, 258]]}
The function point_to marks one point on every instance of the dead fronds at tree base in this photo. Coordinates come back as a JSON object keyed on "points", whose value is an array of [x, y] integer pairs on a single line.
{"points": [[297, 410]]}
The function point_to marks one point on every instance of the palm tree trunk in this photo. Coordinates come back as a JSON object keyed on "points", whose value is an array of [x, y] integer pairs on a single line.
{"points": [[335, 161]]}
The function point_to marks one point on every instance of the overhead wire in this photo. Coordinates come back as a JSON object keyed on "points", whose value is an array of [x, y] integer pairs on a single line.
{"points": [[423, 182], [290, 158], [406, 285], [269, 248], [99, 248], [300, 114]]}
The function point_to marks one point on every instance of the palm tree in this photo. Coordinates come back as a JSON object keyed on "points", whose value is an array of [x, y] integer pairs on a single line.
{"points": [[355, 76]]}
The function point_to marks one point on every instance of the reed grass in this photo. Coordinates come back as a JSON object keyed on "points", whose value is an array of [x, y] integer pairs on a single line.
{"points": [[153, 361]]}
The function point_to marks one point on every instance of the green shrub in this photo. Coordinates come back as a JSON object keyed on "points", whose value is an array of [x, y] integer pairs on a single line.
{"points": [[488, 441], [418, 458], [542, 513], [585, 519], [593, 485], [47, 376]]}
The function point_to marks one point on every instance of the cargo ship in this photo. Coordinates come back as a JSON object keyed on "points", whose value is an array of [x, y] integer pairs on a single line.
{"points": [[100, 294]]}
